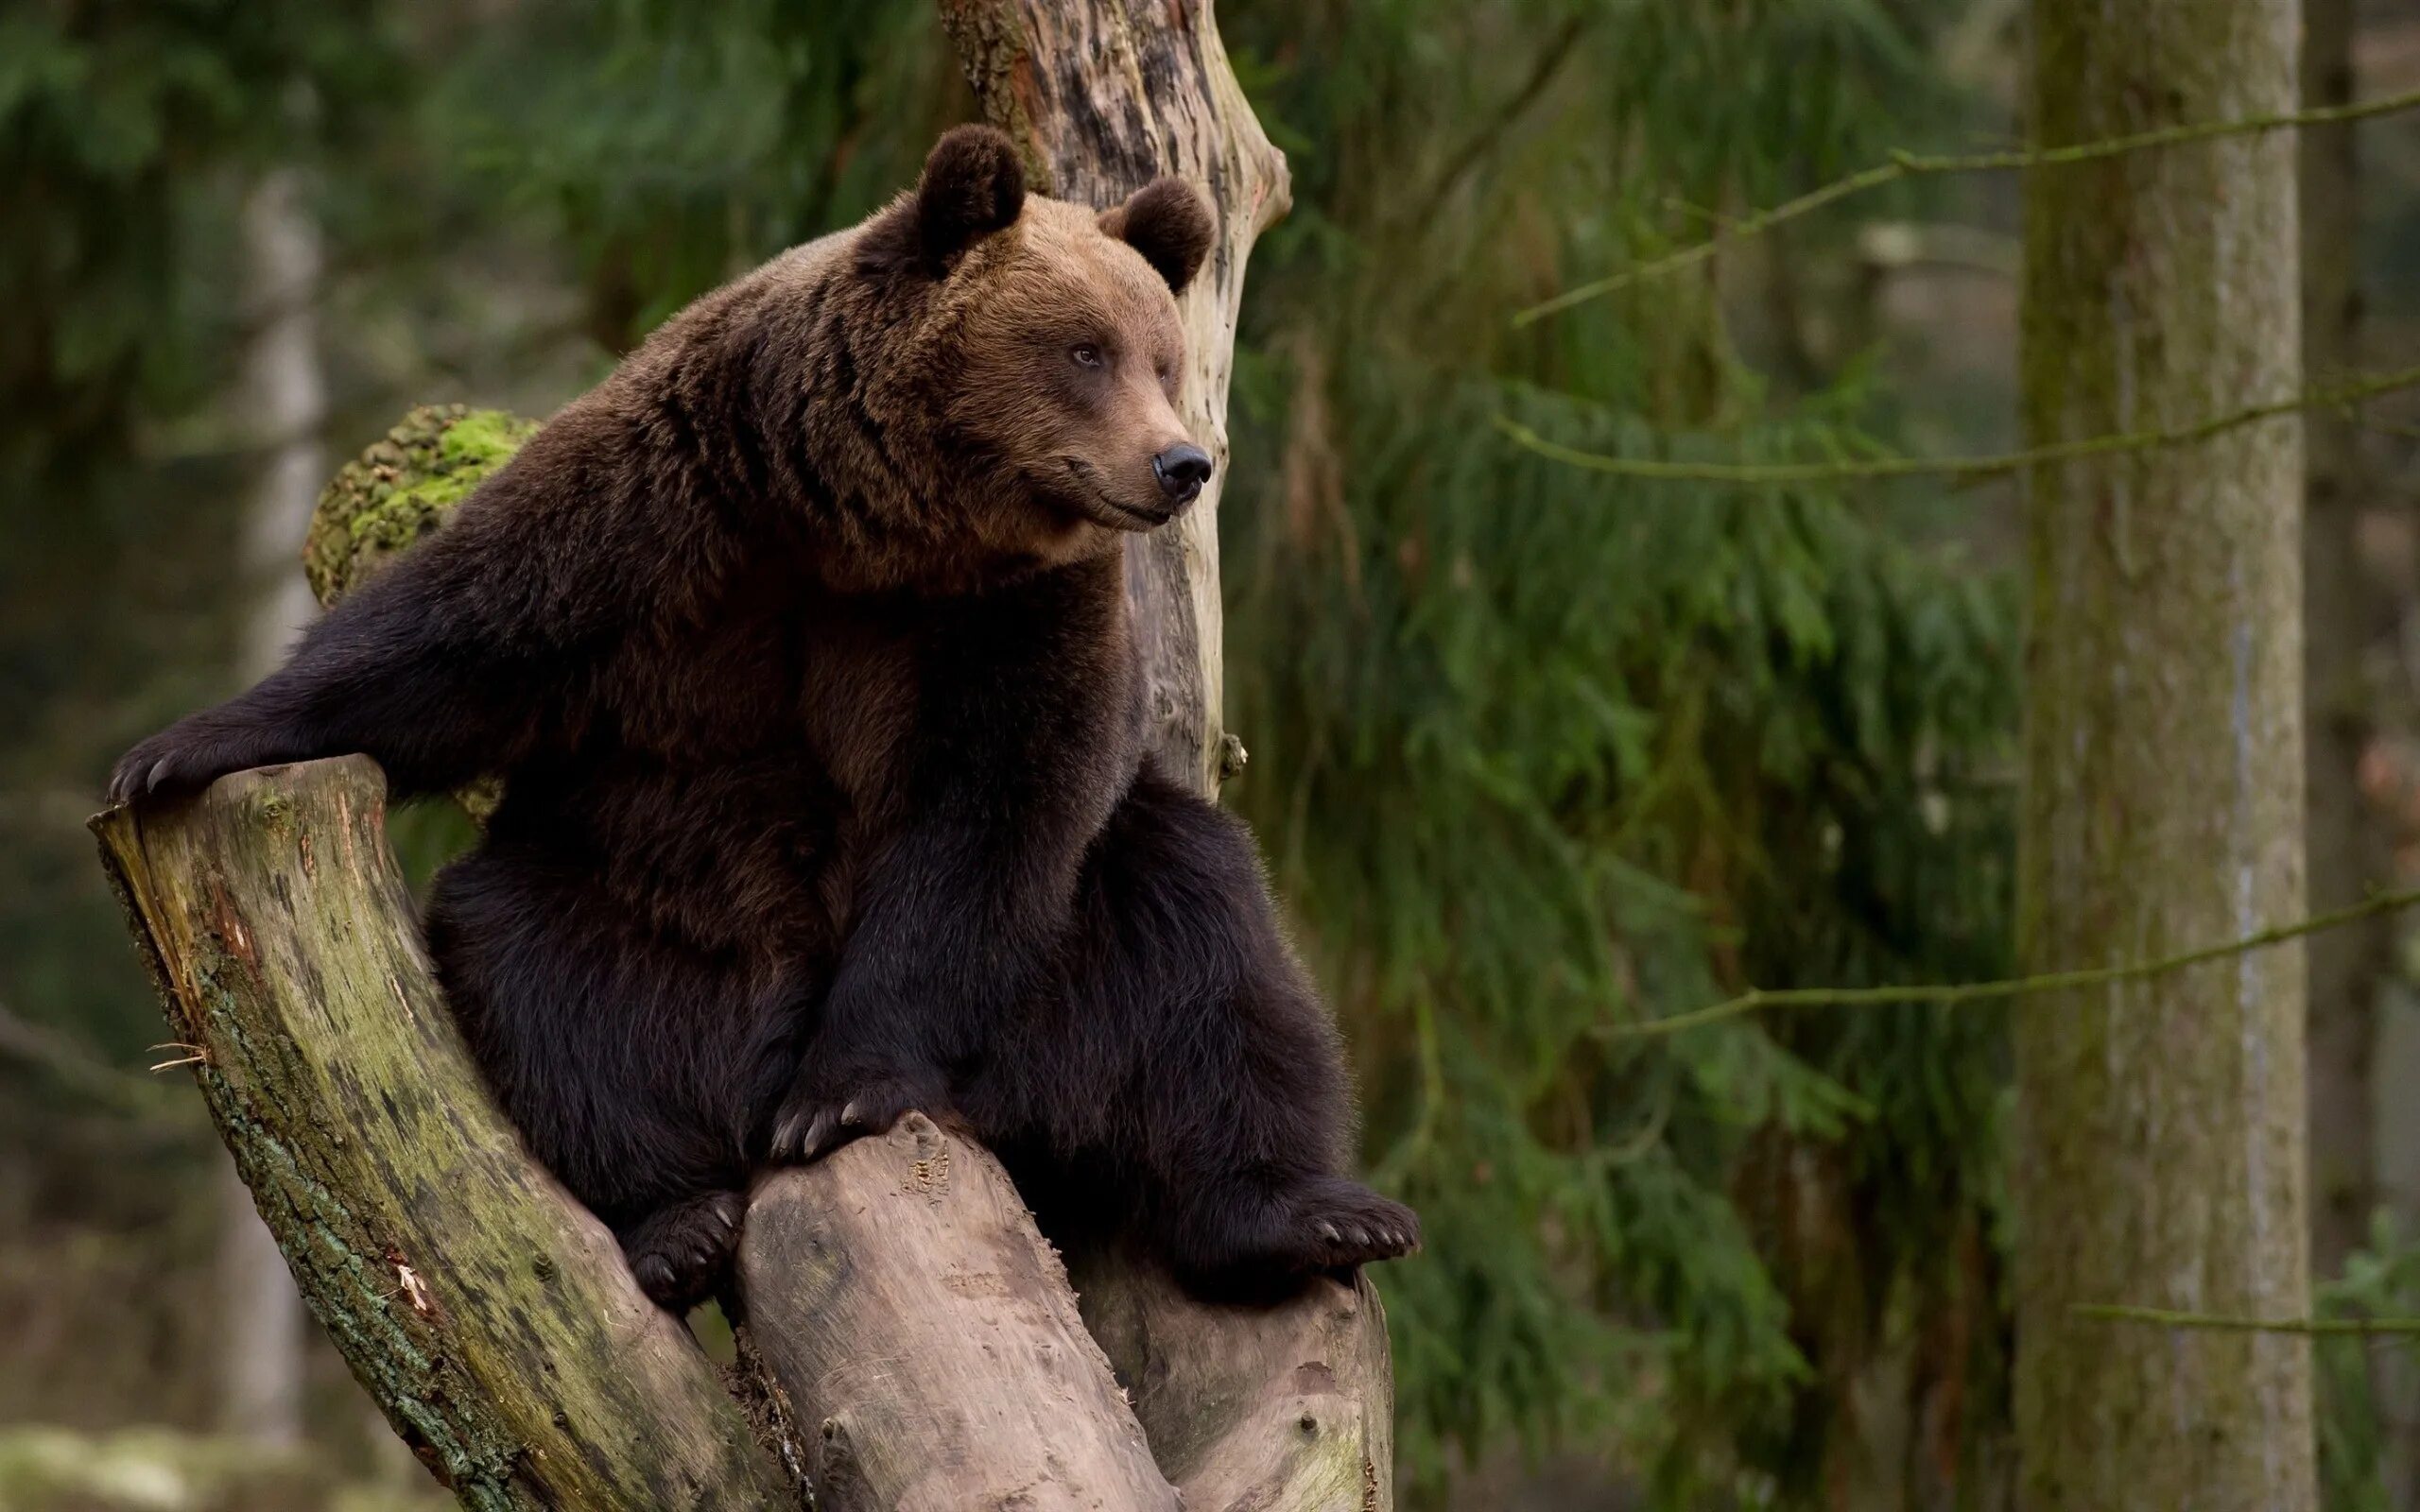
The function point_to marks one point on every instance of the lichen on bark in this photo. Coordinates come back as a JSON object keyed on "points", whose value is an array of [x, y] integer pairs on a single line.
{"points": [[402, 487], [489, 1316]]}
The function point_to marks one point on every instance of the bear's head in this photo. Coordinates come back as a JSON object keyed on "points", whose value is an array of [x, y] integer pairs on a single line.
{"points": [[1041, 340]]}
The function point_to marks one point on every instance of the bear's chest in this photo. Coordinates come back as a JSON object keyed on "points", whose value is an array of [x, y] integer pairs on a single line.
{"points": [[739, 788], [702, 694], [1037, 679]]}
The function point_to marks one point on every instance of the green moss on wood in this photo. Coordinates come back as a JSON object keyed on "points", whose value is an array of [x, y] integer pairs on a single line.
{"points": [[488, 1316], [403, 487], [397, 491]]}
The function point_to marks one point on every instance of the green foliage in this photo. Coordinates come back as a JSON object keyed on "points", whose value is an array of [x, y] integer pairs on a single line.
{"points": [[674, 146], [1534, 753], [118, 126], [1565, 759], [127, 135], [2356, 1434]]}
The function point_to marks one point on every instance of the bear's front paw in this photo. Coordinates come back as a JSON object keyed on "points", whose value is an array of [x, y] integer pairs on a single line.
{"points": [[834, 1104], [682, 1253], [186, 757]]}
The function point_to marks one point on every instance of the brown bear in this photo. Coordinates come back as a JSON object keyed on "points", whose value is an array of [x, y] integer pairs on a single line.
{"points": [[802, 646]]}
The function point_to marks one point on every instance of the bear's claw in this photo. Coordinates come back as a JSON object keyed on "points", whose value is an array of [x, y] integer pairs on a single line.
{"points": [[1341, 1223], [681, 1254], [187, 756], [810, 1126]]}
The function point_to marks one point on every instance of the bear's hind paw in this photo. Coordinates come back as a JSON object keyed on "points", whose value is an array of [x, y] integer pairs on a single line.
{"points": [[1338, 1223]]}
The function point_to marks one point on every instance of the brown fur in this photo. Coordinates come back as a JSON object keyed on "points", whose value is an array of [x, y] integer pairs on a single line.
{"points": [[803, 644]]}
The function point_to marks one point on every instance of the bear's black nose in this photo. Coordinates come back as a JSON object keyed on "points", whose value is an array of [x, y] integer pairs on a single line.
{"points": [[1181, 469]]}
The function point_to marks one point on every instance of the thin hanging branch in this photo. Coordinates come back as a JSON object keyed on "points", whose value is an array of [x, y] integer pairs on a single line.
{"points": [[1962, 467], [1948, 995], [1911, 165], [74, 1066], [2220, 1323], [1558, 51]]}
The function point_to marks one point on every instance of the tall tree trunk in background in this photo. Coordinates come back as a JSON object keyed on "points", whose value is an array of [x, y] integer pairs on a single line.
{"points": [[285, 399], [2342, 616], [2161, 1122]]}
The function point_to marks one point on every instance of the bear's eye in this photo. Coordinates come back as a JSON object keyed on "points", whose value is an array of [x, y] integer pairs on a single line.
{"points": [[1086, 354]]}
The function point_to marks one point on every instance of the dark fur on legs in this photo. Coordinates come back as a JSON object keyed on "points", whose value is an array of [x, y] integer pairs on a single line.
{"points": [[1178, 1062], [1170, 1071], [680, 1255], [634, 1066]]}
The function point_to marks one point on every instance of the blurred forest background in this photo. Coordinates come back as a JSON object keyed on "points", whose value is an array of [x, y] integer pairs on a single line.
{"points": [[1534, 751]]}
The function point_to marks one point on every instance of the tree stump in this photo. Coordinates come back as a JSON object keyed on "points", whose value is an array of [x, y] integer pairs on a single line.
{"points": [[985, 1389]]}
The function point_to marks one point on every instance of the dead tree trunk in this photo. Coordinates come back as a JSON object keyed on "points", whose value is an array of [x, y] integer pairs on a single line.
{"points": [[916, 1342], [1106, 96], [488, 1314], [927, 1343]]}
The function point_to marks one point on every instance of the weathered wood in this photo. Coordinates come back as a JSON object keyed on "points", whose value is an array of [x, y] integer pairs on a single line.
{"points": [[1289, 1408], [2160, 1122], [488, 1314], [1108, 95], [927, 1343]]}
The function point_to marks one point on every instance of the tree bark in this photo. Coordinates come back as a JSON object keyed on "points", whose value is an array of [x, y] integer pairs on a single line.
{"points": [[488, 1314], [918, 1322], [286, 394], [2161, 1122], [1286, 1407], [2344, 615]]}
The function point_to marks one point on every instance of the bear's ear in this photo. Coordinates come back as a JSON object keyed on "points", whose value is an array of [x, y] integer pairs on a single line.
{"points": [[973, 186], [1168, 223]]}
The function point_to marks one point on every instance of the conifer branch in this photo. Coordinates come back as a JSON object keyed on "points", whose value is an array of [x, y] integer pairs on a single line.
{"points": [[1902, 165], [2386, 428], [1557, 52], [2218, 1322], [1956, 993], [1962, 468]]}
